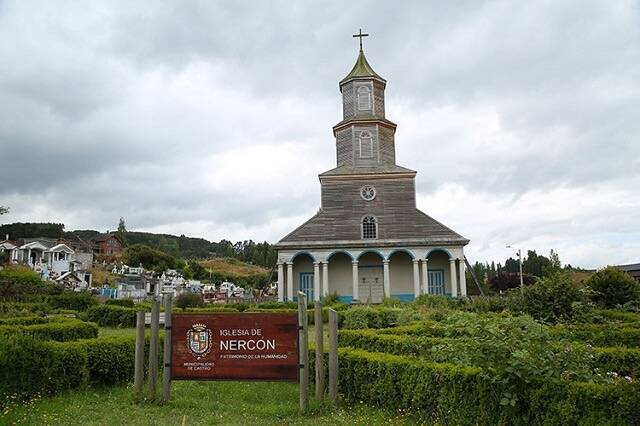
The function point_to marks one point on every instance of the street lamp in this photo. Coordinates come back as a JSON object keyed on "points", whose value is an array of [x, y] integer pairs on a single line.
{"points": [[520, 264]]}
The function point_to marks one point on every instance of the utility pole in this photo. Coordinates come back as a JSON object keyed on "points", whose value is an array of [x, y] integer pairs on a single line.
{"points": [[520, 265]]}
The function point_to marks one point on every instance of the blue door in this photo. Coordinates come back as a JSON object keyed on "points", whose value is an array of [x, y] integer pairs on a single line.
{"points": [[306, 284], [436, 281]]}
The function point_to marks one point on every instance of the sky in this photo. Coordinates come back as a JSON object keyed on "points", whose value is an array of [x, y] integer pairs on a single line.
{"points": [[213, 119]]}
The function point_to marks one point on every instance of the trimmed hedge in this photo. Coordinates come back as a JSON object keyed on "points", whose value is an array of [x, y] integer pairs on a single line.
{"points": [[451, 394], [61, 331], [370, 317], [623, 361], [127, 303], [112, 316], [25, 320], [74, 301], [23, 308], [599, 334]]}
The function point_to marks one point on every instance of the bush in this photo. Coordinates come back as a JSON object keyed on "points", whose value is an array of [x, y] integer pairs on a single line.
{"points": [[33, 367], [459, 395], [110, 359], [623, 361], [61, 331], [23, 320], [508, 280], [127, 303], [112, 316], [16, 281], [189, 300], [23, 308], [611, 287], [370, 317], [550, 299], [599, 335], [74, 301], [434, 301]]}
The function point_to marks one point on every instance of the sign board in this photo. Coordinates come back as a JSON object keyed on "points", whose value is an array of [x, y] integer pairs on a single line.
{"points": [[235, 346]]}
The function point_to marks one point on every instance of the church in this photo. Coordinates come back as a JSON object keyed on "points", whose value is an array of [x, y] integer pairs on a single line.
{"points": [[368, 240]]}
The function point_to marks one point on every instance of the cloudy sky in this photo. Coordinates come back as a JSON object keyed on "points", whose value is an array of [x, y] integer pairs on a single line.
{"points": [[213, 119]]}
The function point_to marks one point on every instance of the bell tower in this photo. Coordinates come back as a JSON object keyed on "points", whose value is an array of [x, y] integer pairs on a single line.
{"points": [[364, 137]]}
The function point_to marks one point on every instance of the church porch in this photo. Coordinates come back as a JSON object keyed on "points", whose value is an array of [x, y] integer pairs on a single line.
{"points": [[369, 275]]}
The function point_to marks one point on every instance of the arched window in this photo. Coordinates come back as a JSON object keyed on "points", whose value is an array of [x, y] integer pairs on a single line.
{"points": [[369, 227], [366, 145], [364, 98]]}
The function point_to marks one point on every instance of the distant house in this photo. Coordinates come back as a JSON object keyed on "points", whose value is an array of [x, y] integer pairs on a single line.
{"points": [[632, 269], [52, 258], [106, 245], [6, 246]]}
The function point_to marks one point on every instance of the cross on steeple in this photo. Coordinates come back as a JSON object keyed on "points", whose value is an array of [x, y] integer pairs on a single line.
{"points": [[360, 35]]}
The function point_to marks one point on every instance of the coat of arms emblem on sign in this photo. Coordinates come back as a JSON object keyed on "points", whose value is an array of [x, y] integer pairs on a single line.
{"points": [[199, 340]]}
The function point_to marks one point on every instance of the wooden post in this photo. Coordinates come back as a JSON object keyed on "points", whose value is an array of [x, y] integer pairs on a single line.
{"points": [[333, 357], [138, 380], [303, 340], [153, 348], [166, 372], [318, 326]]}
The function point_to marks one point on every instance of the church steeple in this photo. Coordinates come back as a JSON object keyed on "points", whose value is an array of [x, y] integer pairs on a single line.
{"points": [[361, 69]]}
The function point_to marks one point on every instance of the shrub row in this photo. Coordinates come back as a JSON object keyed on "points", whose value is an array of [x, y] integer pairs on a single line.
{"points": [[23, 308], [451, 394], [376, 317], [112, 316], [599, 335], [61, 331], [623, 361], [24, 320], [31, 367]]}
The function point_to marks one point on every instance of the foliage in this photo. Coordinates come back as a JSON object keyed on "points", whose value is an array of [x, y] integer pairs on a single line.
{"points": [[23, 308], [127, 303], [622, 361], [189, 300], [121, 233], [71, 300], [370, 317], [61, 331], [112, 316], [331, 299], [18, 280], [4, 210], [611, 287], [508, 280], [32, 230], [550, 299], [435, 301], [149, 258]]}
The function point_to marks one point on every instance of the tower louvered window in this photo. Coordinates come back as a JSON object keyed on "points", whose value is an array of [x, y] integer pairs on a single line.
{"points": [[366, 145], [364, 98], [369, 227]]}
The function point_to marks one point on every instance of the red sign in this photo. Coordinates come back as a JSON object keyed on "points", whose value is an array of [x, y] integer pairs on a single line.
{"points": [[242, 346]]}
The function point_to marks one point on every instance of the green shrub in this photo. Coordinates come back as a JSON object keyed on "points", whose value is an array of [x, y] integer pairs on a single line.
{"points": [[550, 299], [127, 303], [61, 331], [457, 395], [370, 317], [33, 367], [211, 309], [189, 300], [16, 281], [622, 361], [24, 308], [611, 287], [435, 301], [599, 334], [112, 316], [74, 301], [23, 320], [110, 359]]}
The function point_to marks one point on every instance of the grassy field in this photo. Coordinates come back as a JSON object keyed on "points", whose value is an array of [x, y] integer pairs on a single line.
{"points": [[194, 403], [233, 266]]}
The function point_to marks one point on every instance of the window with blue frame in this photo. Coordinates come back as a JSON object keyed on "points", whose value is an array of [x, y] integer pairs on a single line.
{"points": [[306, 284]]}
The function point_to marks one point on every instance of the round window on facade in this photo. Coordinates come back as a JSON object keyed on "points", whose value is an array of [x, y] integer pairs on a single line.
{"points": [[368, 192]]}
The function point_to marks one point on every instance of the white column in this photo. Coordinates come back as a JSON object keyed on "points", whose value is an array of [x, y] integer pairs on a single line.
{"points": [[354, 275], [463, 277], [280, 282], [416, 278], [290, 281], [325, 278], [316, 281], [386, 285], [454, 281], [425, 276]]}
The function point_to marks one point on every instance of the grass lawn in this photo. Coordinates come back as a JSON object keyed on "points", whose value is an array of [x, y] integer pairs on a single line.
{"points": [[194, 403]]}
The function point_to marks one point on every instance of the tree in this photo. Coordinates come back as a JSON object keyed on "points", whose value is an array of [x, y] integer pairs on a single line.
{"points": [[121, 233], [4, 210], [611, 287]]}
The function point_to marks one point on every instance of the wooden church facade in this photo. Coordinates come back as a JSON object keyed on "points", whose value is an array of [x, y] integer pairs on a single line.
{"points": [[368, 240]]}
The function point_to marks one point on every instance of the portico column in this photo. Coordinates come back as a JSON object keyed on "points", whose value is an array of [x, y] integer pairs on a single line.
{"points": [[425, 276], [454, 281], [416, 278], [325, 278], [280, 282], [354, 275], [386, 285], [316, 281], [463, 278], [290, 281]]}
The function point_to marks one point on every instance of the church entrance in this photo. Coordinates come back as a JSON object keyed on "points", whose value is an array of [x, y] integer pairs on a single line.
{"points": [[371, 288]]}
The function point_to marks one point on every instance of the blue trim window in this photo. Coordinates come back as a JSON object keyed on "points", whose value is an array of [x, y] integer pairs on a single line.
{"points": [[306, 284], [436, 281]]}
